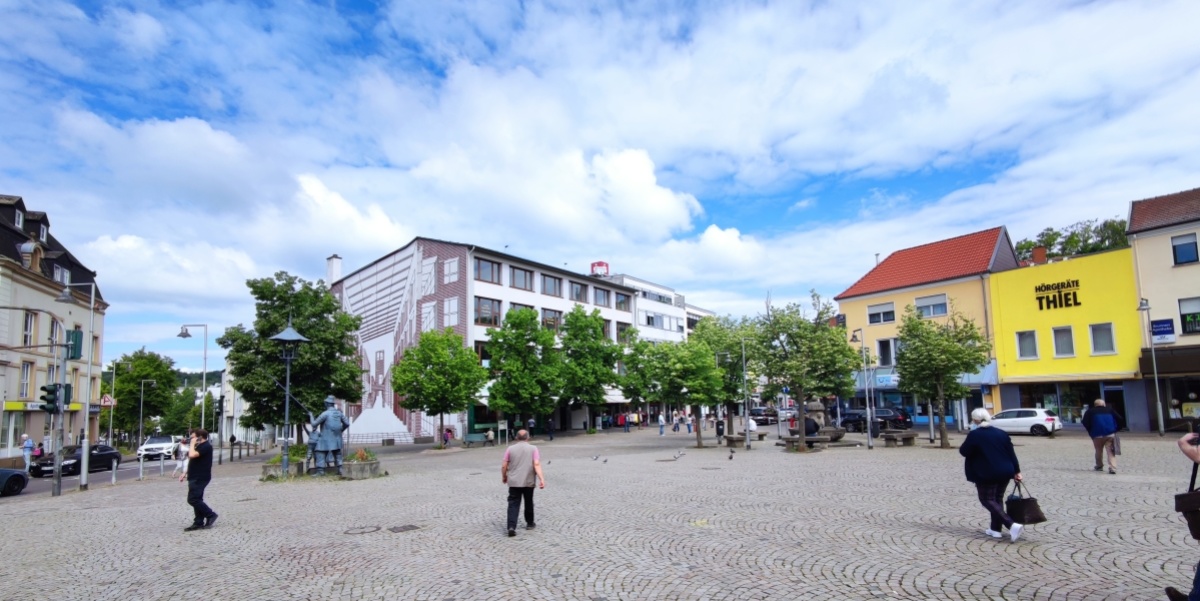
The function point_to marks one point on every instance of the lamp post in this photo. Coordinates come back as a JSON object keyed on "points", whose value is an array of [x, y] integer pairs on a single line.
{"points": [[67, 297], [745, 397], [183, 333], [289, 338], [862, 349], [1144, 306], [113, 389]]}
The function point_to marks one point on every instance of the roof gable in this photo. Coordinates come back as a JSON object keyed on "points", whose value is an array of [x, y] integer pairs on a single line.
{"points": [[1164, 211], [971, 254]]}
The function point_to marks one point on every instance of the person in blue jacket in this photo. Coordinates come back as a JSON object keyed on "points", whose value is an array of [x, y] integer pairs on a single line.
{"points": [[990, 463], [1102, 424]]}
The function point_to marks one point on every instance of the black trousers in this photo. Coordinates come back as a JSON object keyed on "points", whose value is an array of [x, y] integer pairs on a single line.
{"points": [[196, 500], [991, 496], [515, 494]]}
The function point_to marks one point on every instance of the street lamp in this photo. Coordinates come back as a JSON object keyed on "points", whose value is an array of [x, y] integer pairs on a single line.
{"points": [[183, 333], [745, 396], [862, 349], [67, 297], [113, 408], [290, 339], [1144, 306]]}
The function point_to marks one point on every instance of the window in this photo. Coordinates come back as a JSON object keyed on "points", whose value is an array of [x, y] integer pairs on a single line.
{"points": [[487, 271], [552, 286], [883, 313], [19, 220], [1102, 339], [51, 373], [450, 312], [932, 306], [1184, 249], [623, 302], [1027, 345], [487, 311], [601, 297], [42, 232], [621, 328], [55, 331], [30, 325], [26, 376], [1189, 315], [514, 306], [551, 319], [485, 358], [62, 275], [887, 352], [429, 316], [521, 278], [1064, 342], [428, 276], [450, 271], [608, 329], [653, 320], [578, 292]]}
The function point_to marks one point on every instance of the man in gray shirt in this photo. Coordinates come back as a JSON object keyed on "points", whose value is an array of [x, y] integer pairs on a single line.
{"points": [[522, 464]]}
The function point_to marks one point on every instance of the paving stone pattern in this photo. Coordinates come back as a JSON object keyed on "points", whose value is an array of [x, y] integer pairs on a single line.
{"points": [[844, 523]]}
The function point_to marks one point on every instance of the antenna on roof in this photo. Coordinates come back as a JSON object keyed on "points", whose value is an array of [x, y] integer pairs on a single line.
{"points": [[877, 259]]}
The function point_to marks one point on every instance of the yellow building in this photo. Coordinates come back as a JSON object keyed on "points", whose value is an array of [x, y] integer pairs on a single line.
{"points": [[1066, 333], [934, 278]]}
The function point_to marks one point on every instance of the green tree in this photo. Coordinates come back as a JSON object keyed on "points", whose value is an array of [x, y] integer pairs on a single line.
{"points": [[438, 375], [933, 355], [633, 373], [589, 360], [143, 365], [526, 366], [1084, 237], [327, 364], [685, 373], [804, 352], [176, 419], [726, 336]]}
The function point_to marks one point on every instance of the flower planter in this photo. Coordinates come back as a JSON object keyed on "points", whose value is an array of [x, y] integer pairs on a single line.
{"points": [[359, 470], [276, 469]]}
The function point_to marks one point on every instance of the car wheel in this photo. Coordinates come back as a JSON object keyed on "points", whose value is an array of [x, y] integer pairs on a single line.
{"points": [[1039, 430], [13, 486]]}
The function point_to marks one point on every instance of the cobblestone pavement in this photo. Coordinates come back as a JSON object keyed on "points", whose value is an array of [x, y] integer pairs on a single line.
{"points": [[844, 523]]}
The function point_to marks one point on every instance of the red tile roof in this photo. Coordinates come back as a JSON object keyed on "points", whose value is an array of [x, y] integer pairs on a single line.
{"points": [[1163, 211], [934, 262]]}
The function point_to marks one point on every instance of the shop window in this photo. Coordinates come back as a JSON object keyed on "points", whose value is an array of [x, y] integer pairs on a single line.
{"points": [[1102, 339], [487, 271], [521, 278], [552, 286], [1027, 345], [1189, 315], [1184, 249], [882, 313], [932, 306], [1064, 342]]}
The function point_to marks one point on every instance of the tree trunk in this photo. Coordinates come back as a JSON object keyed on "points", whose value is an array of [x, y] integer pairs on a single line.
{"points": [[442, 429], [696, 423], [942, 426]]}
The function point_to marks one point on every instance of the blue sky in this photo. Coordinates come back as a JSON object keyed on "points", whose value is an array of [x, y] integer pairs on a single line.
{"points": [[729, 149]]}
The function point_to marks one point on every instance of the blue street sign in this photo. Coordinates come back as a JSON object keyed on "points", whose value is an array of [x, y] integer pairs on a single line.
{"points": [[1163, 330]]}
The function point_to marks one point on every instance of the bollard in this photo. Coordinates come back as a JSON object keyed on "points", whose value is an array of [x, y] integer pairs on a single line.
{"points": [[162, 465], [141, 468], [114, 471]]}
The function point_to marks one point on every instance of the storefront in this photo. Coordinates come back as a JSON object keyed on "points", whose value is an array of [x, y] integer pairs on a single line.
{"points": [[1178, 370]]}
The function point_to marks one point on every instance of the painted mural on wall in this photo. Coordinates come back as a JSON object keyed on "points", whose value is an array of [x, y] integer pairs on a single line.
{"points": [[415, 289]]}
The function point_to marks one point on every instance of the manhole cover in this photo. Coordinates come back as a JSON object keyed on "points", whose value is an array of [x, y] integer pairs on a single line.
{"points": [[403, 528], [244, 500], [710, 468], [476, 473], [362, 530]]}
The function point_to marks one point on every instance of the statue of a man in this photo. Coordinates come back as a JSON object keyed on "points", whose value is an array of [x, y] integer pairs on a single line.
{"points": [[332, 422]]}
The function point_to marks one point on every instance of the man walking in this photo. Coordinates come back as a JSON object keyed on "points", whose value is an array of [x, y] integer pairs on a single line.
{"points": [[198, 474], [1101, 423], [27, 450], [662, 424], [521, 464]]}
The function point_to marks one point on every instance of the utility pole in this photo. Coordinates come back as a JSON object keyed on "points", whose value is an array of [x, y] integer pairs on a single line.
{"points": [[62, 418]]}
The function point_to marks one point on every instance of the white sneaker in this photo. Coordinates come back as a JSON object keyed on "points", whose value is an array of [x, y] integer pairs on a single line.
{"points": [[992, 533], [1014, 532]]}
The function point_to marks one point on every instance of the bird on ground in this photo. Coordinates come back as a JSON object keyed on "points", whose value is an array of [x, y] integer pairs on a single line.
{"points": [[595, 457], [605, 461], [731, 454]]}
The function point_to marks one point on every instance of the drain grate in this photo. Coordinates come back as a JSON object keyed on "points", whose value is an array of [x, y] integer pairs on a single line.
{"points": [[362, 530], [406, 528]]}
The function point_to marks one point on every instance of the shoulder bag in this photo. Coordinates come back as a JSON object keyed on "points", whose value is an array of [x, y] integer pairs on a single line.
{"points": [[1188, 504], [1023, 509]]}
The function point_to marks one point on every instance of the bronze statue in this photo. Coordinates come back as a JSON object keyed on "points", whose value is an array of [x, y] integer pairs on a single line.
{"points": [[332, 422]]}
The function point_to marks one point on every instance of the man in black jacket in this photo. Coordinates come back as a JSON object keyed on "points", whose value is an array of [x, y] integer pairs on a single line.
{"points": [[199, 474]]}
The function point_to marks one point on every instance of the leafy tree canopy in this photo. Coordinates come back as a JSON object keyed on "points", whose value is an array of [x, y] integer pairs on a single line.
{"points": [[151, 399], [526, 366], [438, 375], [589, 358], [802, 351], [1077, 239], [327, 364]]}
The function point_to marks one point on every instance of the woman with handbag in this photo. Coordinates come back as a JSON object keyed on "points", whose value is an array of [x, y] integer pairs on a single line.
{"points": [[991, 462], [1189, 445]]}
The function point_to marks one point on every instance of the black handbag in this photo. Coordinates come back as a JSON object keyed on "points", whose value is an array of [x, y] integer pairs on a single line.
{"points": [[1188, 504], [1023, 509]]}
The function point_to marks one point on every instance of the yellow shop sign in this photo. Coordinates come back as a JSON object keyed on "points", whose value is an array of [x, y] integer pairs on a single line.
{"points": [[1057, 295]]}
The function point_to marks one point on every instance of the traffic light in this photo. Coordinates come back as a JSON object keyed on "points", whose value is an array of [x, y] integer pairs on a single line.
{"points": [[74, 344], [218, 413], [66, 395], [50, 398]]}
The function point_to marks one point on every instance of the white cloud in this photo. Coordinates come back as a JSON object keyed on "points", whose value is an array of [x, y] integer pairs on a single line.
{"points": [[140, 33]]}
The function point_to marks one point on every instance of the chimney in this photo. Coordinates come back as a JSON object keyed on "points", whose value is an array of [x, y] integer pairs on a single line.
{"points": [[1039, 255], [333, 269]]}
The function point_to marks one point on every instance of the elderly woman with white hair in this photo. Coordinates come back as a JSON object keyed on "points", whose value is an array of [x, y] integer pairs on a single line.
{"points": [[990, 463]]}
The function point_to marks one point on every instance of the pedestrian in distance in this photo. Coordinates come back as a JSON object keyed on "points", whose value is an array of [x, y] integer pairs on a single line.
{"points": [[521, 470], [1102, 424], [40, 451], [688, 420], [27, 450], [491, 438], [662, 425], [199, 474], [530, 424], [990, 463], [181, 455], [445, 437], [550, 428], [1188, 446]]}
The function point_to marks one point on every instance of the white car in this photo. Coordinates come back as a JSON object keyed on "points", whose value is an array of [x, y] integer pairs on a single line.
{"points": [[1039, 422], [157, 446]]}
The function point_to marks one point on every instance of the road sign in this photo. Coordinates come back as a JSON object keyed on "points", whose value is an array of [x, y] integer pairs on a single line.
{"points": [[108, 401], [1163, 330]]}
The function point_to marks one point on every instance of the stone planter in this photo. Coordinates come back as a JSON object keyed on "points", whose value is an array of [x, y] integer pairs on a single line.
{"points": [[422, 440], [276, 469], [359, 470]]}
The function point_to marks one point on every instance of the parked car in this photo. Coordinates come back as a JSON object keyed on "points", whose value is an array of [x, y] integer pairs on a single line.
{"points": [[156, 446], [764, 416], [888, 418], [101, 459], [12, 482], [1038, 422]]}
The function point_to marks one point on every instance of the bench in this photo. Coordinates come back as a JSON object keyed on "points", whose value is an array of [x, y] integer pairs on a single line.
{"points": [[734, 441], [793, 442], [477, 437], [761, 435], [895, 438]]}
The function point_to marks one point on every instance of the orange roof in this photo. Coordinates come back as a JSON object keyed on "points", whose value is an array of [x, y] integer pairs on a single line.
{"points": [[1163, 211], [963, 256]]}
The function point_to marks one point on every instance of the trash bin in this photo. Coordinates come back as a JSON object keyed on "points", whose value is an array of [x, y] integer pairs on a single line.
{"points": [[720, 428], [875, 426]]}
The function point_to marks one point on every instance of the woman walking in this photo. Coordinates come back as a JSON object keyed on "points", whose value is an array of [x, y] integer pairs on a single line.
{"points": [[990, 463]]}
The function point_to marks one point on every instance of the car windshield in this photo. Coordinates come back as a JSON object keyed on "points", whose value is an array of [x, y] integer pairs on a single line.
{"points": [[1051, 413], [159, 440], [70, 449]]}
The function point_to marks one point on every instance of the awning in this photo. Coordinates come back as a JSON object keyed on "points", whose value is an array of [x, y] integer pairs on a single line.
{"points": [[887, 378]]}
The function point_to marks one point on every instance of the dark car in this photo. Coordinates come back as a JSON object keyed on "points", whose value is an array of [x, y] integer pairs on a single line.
{"points": [[764, 416], [101, 459], [888, 418], [12, 482]]}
